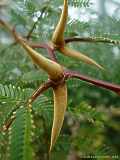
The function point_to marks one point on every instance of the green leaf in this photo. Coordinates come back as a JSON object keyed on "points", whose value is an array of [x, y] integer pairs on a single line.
{"points": [[21, 136]]}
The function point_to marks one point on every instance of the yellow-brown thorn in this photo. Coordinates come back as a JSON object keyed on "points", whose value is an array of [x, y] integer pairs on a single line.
{"points": [[59, 42], [54, 70], [58, 35], [60, 104], [77, 55]]}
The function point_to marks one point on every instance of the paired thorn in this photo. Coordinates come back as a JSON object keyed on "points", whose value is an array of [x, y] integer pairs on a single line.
{"points": [[60, 98], [59, 41]]}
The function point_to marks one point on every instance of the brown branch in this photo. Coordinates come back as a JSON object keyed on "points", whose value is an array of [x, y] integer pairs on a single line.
{"points": [[6, 25], [51, 53], [38, 45], [40, 90], [8, 124], [113, 87], [50, 50], [91, 40]]}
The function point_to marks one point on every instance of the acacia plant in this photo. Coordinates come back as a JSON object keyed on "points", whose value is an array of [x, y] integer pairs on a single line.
{"points": [[57, 75]]}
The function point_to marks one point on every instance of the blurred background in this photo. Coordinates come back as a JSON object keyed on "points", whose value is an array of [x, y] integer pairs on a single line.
{"points": [[92, 122]]}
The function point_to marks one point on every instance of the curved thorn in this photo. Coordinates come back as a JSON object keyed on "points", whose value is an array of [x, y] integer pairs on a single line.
{"points": [[60, 104], [54, 70], [77, 55], [58, 35]]}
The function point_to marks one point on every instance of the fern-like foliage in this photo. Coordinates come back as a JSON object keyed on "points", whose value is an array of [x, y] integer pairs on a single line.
{"points": [[89, 128], [17, 117], [10, 92], [88, 113], [14, 116], [20, 134], [11, 97], [80, 3]]}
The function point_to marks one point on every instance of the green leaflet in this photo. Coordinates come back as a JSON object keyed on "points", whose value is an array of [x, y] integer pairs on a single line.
{"points": [[21, 135], [11, 93], [10, 97], [80, 3]]}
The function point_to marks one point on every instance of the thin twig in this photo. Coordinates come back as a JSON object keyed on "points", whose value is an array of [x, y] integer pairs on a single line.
{"points": [[8, 124], [92, 40], [6, 25], [51, 53], [50, 50], [113, 87], [40, 90], [34, 25]]}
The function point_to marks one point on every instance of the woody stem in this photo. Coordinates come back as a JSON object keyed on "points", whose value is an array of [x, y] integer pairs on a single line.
{"points": [[113, 87], [40, 90], [45, 46]]}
